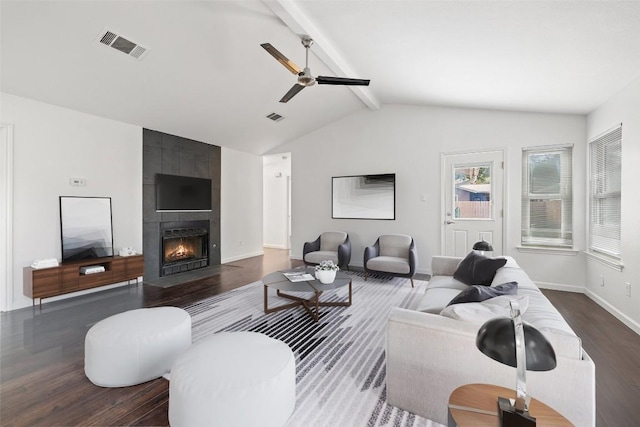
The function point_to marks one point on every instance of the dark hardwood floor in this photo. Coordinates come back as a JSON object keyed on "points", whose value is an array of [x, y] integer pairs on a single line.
{"points": [[615, 350], [42, 381]]}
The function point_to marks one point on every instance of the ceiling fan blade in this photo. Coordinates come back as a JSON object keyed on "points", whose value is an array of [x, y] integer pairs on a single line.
{"points": [[288, 64], [292, 92], [324, 80]]}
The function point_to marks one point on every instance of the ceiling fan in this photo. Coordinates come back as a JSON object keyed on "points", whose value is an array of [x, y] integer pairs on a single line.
{"points": [[304, 75]]}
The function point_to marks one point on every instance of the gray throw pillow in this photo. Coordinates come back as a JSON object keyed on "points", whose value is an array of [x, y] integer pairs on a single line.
{"points": [[476, 269], [479, 293]]}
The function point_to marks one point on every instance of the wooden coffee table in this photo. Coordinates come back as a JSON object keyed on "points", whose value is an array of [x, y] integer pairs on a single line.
{"points": [[476, 405], [284, 287]]}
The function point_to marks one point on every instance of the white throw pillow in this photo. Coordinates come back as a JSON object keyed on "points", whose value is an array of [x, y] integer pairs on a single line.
{"points": [[480, 312]]}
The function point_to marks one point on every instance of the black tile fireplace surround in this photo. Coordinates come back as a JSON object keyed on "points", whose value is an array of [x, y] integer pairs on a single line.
{"points": [[173, 155], [183, 246]]}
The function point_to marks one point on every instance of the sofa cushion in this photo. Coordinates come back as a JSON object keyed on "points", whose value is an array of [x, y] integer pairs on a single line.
{"points": [[446, 282], [506, 274], [434, 300], [444, 265], [477, 293], [511, 263], [480, 312], [476, 269], [389, 264], [565, 344]]}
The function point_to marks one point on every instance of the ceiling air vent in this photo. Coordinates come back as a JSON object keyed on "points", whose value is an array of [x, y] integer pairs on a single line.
{"points": [[111, 39], [275, 117]]}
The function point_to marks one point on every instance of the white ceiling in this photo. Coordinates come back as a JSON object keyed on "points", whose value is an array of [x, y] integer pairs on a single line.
{"points": [[206, 77]]}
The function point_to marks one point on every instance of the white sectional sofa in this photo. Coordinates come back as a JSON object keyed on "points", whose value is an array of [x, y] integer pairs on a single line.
{"points": [[430, 355]]}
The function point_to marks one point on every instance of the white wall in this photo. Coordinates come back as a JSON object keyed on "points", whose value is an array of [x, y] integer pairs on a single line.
{"points": [[51, 145], [408, 141], [6, 221], [276, 171], [241, 205], [622, 108]]}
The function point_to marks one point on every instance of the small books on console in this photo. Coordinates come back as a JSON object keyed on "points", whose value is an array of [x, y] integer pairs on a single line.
{"points": [[298, 276], [44, 263]]}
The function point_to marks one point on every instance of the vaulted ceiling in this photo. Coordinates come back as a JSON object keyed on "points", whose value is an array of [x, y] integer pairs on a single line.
{"points": [[206, 77]]}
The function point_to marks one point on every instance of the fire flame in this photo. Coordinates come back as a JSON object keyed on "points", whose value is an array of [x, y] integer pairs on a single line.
{"points": [[180, 251]]}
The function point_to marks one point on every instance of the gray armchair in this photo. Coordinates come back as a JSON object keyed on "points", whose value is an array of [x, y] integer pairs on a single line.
{"points": [[330, 245], [392, 254]]}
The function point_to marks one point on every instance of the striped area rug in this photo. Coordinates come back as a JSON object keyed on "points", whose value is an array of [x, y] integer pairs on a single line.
{"points": [[340, 360]]}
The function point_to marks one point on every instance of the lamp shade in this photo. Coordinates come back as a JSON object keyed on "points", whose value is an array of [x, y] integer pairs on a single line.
{"points": [[482, 245], [496, 339]]}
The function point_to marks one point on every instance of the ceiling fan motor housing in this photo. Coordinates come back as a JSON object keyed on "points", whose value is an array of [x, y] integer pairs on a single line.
{"points": [[305, 78]]}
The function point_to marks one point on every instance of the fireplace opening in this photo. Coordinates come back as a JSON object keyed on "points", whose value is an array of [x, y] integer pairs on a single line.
{"points": [[182, 249], [184, 246]]}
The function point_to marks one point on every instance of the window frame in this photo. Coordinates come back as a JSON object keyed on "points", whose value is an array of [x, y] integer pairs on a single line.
{"points": [[566, 239], [599, 180]]}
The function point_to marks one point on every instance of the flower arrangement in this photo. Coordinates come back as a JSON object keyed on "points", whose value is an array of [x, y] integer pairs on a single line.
{"points": [[327, 266]]}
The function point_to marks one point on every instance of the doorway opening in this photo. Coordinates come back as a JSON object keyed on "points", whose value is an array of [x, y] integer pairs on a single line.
{"points": [[276, 195]]}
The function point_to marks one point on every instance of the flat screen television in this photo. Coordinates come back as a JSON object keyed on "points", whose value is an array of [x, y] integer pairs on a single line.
{"points": [[175, 193], [85, 227]]}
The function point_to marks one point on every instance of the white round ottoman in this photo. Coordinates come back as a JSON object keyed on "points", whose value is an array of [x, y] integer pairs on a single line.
{"points": [[135, 346], [233, 379]]}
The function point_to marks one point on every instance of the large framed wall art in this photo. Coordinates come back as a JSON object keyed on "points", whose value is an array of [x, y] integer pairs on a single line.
{"points": [[364, 196], [86, 227]]}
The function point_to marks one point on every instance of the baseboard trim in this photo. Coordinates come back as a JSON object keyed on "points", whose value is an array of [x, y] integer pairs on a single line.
{"points": [[632, 324], [239, 257], [267, 245], [560, 287]]}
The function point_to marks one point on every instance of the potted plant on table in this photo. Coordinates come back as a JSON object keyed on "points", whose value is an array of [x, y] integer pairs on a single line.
{"points": [[326, 271]]}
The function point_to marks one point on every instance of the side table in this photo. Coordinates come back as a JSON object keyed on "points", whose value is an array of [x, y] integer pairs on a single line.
{"points": [[476, 405]]}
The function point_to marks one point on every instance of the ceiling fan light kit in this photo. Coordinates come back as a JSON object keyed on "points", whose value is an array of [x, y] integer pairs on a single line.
{"points": [[305, 78]]}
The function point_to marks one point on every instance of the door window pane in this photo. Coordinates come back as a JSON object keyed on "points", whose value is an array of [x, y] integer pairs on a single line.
{"points": [[472, 198]]}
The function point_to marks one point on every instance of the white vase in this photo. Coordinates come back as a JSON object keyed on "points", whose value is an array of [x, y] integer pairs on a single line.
{"points": [[326, 276]]}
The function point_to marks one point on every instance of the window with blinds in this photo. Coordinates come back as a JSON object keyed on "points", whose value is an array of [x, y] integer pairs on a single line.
{"points": [[547, 200], [605, 179]]}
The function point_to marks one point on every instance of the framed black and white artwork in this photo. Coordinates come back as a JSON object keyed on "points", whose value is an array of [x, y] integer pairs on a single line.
{"points": [[364, 196]]}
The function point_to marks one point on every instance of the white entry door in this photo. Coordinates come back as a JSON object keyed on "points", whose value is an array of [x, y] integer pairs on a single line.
{"points": [[473, 201]]}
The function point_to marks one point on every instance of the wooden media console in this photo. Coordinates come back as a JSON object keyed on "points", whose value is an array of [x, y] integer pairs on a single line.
{"points": [[67, 277]]}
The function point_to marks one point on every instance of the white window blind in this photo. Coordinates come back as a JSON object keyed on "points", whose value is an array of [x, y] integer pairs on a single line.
{"points": [[547, 200], [605, 170]]}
